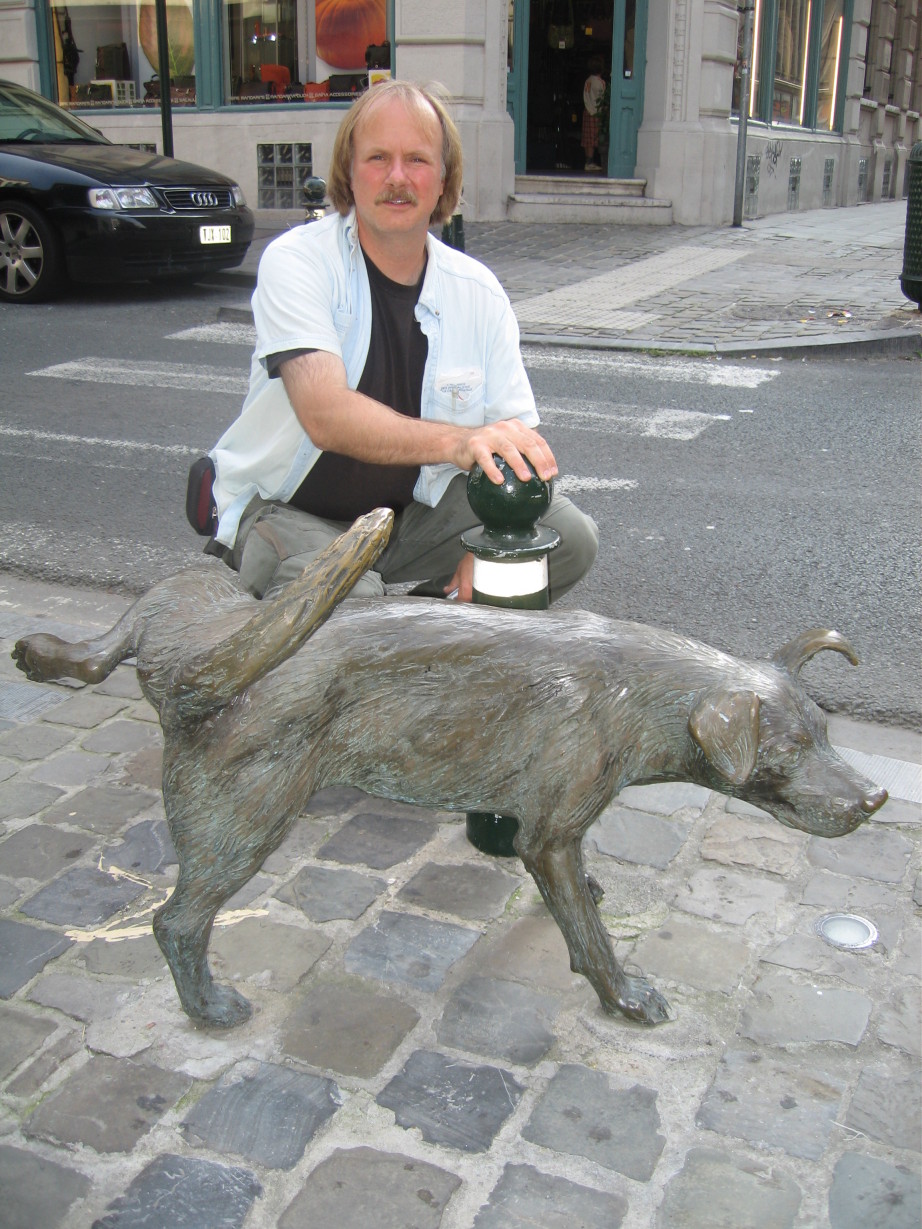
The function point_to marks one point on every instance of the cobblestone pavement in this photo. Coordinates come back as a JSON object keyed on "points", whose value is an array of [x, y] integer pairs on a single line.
{"points": [[795, 282], [421, 1055]]}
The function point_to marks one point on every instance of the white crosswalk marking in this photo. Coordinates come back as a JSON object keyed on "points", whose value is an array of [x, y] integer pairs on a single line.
{"points": [[224, 333], [664, 424], [673, 370], [193, 376], [572, 483], [92, 441]]}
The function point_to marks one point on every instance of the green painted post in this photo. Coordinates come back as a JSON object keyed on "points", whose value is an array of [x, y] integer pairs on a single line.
{"points": [[510, 570]]}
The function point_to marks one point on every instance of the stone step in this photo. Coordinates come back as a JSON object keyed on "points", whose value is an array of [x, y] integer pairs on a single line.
{"points": [[563, 207], [590, 185]]}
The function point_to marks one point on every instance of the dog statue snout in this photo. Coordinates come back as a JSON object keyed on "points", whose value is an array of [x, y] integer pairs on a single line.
{"points": [[874, 800]]}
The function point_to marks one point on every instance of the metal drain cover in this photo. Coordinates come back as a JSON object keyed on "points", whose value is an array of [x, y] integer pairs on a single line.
{"points": [[847, 931]]}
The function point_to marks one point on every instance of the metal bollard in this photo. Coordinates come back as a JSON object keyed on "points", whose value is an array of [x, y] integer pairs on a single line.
{"points": [[911, 277], [453, 232], [510, 570], [315, 206]]}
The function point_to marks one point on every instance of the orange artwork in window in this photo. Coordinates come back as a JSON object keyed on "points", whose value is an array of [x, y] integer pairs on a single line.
{"points": [[346, 27], [180, 37]]}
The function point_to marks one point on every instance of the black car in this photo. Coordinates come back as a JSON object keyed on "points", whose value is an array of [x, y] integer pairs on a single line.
{"points": [[74, 205]]}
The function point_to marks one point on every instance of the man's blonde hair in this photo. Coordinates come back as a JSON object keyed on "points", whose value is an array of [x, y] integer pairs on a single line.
{"points": [[421, 101]]}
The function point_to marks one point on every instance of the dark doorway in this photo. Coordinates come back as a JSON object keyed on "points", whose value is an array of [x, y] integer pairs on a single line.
{"points": [[569, 41]]}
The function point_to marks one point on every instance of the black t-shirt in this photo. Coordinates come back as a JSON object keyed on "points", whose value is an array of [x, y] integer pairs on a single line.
{"points": [[338, 487]]}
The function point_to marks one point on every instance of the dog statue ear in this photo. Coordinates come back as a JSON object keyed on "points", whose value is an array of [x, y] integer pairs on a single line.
{"points": [[725, 726]]}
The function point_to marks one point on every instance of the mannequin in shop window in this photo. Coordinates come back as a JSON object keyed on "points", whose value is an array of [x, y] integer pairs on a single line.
{"points": [[593, 92]]}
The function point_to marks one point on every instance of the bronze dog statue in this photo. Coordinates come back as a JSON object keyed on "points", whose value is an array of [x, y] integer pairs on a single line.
{"points": [[541, 716]]}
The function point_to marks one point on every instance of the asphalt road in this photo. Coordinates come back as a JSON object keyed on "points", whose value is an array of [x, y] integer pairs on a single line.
{"points": [[739, 502]]}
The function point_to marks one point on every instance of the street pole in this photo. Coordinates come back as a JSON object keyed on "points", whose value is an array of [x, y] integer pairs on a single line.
{"points": [[163, 70], [745, 73]]}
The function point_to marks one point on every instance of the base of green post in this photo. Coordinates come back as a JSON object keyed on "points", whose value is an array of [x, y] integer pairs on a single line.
{"points": [[492, 834]]}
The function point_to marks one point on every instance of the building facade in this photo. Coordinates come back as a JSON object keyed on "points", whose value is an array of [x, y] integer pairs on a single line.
{"points": [[258, 87]]}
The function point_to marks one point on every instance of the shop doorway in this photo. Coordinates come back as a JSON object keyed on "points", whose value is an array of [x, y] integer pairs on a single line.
{"points": [[554, 46]]}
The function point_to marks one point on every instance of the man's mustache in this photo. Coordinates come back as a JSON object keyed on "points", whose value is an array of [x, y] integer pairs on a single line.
{"points": [[392, 196]]}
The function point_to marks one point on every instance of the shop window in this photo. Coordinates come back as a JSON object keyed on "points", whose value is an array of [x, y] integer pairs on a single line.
{"points": [[799, 60], [106, 54], [314, 51]]}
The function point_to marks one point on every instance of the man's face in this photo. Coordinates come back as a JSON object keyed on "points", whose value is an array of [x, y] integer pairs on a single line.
{"points": [[396, 169]]}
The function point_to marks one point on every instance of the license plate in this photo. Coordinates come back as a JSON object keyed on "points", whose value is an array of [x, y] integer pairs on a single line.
{"points": [[214, 234]]}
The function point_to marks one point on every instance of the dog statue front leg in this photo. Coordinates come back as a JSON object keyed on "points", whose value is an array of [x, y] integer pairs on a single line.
{"points": [[560, 877]]}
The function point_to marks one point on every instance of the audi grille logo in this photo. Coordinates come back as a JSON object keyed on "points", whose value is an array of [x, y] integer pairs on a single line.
{"points": [[203, 199]]}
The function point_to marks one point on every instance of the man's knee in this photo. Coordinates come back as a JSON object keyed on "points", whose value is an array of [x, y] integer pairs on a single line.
{"points": [[579, 545]]}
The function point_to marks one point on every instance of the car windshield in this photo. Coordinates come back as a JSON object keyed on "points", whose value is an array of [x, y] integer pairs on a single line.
{"points": [[28, 118]]}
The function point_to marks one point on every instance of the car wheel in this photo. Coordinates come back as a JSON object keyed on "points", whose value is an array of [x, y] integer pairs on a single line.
{"points": [[30, 262]]}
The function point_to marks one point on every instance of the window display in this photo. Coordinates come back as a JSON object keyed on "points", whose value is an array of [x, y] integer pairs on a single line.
{"points": [[106, 54], [312, 51]]}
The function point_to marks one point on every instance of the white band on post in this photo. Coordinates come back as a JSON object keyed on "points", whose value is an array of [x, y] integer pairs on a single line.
{"points": [[510, 578]]}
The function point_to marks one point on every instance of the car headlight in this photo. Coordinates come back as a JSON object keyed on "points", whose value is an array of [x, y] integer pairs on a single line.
{"points": [[122, 198], [237, 194]]}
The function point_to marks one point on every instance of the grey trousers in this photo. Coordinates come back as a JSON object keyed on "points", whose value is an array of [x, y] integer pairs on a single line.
{"points": [[275, 542]]}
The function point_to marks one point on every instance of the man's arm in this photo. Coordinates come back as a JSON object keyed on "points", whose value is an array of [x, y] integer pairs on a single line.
{"points": [[338, 419]]}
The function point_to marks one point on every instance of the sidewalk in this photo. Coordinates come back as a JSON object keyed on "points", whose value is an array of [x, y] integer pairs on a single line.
{"points": [[822, 280], [421, 1056]]}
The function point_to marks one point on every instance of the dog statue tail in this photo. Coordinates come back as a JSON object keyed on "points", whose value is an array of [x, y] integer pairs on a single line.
{"points": [[231, 639]]}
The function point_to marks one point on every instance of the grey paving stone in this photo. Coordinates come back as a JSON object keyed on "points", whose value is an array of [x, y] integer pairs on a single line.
{"points": [[867, 1192], [100, 808], [85, 709], [727, 896], [581, 1113], [632, 836], [7, 769], [324, 893], [24, 701], [35, 741], [414, 951], [20, 1036], [693, 955], [900, 1020], [143, 768], [335, 800], [533, 950], [356, 1188], [783, 1012], [108, 1105], [24, 951], [184, 1192], [262, 1112], [761, 844], [134, 959], [9, 892], [499, 1019], [117, 737], [377, 840], [886, 1105], [775, 1103], [258, 947], [452, 1103], [145, 849], [665, 798], [83, 998], [83, 896], [717, 1190], [123, 682], [810, 953], [37, 1193], [524, 1198], [470, 890], [869, 853], [22, 799], [46, 1064], [40, 851], [346, 1026], [70, 769]]}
